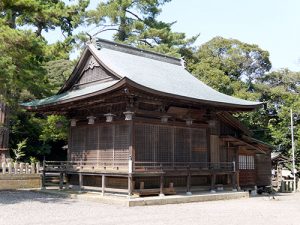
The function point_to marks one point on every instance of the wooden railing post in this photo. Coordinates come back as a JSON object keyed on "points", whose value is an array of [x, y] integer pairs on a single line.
{"points": [[3, 168], [9, 168], [26, 168], [38, 166], [15, 168], [21, 168], [32, 168]]}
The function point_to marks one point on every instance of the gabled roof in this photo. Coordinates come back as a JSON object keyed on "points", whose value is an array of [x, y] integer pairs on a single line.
{"points": [[152, 71]]}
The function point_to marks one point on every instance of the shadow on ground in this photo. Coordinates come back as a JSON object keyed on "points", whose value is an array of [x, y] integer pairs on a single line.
{"points": [[13, 197]]}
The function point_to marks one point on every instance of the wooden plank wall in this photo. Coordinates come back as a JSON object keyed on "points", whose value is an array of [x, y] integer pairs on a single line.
{"points": [[263, 169]]}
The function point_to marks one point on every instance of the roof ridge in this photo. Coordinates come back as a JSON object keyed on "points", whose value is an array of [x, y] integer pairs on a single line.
{"points": [[103, 43]]}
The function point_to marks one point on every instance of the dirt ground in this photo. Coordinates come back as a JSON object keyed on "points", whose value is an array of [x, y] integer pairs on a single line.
{"points": [[32, 208]]}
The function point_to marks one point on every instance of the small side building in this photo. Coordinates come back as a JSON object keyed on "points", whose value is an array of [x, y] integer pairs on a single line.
{"points": [[139, 121]]}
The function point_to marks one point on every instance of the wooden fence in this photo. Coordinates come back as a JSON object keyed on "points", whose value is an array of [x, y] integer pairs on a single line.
{"points": [[20, 168]]}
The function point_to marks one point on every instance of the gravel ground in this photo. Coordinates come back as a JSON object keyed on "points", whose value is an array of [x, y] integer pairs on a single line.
{"points": [[32, 208]]}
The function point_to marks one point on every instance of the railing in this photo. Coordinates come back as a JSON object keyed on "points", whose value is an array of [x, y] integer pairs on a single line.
{"points": [[84, 165], [20, 168], [168, 166], [136, 166]]}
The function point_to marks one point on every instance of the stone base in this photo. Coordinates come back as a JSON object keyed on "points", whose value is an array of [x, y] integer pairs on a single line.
{"points": [[19, 181]]}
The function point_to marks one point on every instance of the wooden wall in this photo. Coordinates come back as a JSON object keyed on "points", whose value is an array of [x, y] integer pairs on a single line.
{"points": [[263, 169], [100, 142], [167, 143]]}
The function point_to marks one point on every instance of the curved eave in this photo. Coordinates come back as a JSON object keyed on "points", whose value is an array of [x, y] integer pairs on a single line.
{"points": [[201, 101], [127, 81], [77, 98]]}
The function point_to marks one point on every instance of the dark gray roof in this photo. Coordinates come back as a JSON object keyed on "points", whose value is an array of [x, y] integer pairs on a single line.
{"points": [[151, 70]]}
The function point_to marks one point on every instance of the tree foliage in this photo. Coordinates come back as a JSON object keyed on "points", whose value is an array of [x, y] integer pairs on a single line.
{"points": [[135, 22], [25, 60], [236, 64]]}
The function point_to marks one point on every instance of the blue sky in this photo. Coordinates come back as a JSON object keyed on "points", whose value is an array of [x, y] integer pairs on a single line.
{"points": [[274, 25]]}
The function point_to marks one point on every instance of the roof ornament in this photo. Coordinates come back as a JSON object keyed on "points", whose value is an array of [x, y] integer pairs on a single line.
{"points": [[98, 44], [182, 62]]}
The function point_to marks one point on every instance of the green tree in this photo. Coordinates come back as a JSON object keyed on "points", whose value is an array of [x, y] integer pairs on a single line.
{"points": [[135, 22], [231, 61], [25, 55], [281, 90], [233, 67], [43, 15]]}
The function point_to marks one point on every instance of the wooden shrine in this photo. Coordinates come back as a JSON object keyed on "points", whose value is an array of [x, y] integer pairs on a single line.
{"points": [[139, 122]]}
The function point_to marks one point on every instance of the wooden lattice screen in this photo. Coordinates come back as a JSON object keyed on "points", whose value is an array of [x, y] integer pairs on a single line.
{"points": [[163, 143], [100, 143]]}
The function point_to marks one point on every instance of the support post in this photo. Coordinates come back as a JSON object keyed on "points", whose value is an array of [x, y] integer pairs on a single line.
{"points": [[161, 186], [61, 180], [130, 186], [103, 184], [80, 181], [213, 183], [233, 181], [188, 182], [130, 169], [67, 181]]}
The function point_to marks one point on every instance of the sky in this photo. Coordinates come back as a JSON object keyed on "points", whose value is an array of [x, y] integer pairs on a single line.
{"points": [[274, 25]]}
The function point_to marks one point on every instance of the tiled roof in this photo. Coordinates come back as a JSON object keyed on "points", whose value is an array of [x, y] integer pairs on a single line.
{"points": [[151, 70]]}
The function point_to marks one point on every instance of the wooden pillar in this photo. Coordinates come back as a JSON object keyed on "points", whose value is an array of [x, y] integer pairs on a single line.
{"points": [[213, 182], [67, 181], [237, 180], [103, 184], [161, 186], [188, 181], [61, 180], [80, 181], [130, 186], [233, 181]]}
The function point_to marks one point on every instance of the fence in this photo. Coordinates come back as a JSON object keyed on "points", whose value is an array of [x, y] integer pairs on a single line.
{"points": [[20, 168]]}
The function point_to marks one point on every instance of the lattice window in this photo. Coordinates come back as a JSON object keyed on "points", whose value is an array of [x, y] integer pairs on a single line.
{"points": [[146, 142], [77, 148], [91, 142], [199, 145], [246, 162], [165, 144], [106, 143], [182, 145], [121, 145]]}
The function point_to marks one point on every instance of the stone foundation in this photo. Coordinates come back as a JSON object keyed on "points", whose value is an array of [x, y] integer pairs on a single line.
{"points": [[19, 181]]}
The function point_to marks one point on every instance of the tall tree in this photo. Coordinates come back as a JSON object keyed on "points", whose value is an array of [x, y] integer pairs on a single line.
{"points": [[281, 89], [231, 61], [24, 54], [135, 22]]}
